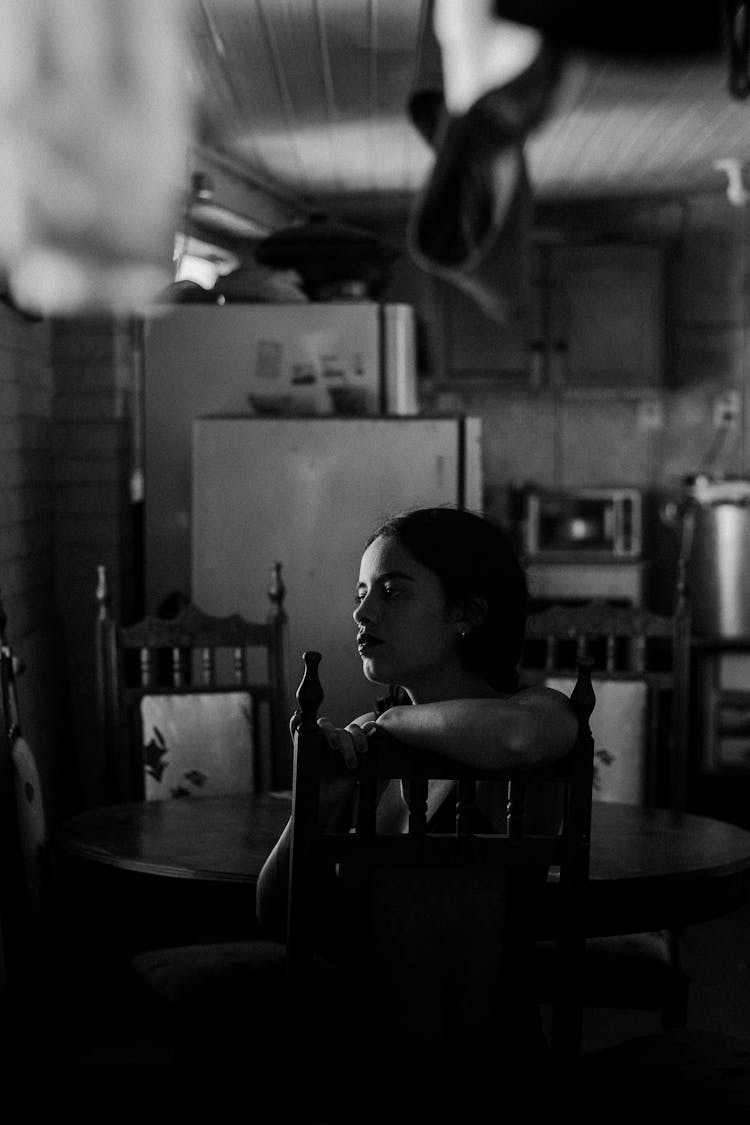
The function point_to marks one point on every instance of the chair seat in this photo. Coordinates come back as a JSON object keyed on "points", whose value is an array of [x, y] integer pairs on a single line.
{"points": [[203, 976], [204, 980], [226, 1009], [625, 971]]}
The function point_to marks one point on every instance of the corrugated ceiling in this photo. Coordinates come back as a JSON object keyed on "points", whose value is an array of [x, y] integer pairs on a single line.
{"points": [[310, 95]]}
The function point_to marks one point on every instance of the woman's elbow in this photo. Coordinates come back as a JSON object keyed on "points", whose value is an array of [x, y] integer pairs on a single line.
{"points": [[531, 742]]}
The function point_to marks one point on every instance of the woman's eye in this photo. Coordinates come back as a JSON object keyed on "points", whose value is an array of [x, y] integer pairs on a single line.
{"points": [[391, 591]]}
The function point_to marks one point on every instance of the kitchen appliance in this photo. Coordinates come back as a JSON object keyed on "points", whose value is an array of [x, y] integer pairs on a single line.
{"points": [[716, 543], [604, 522], [307, 492], [306, 358], [581, 543]]}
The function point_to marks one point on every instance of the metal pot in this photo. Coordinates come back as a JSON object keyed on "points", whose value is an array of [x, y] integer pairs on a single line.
{"points": [[718, 569]]}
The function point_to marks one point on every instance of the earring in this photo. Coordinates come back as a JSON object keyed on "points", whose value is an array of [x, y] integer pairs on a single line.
{"points": [[462, 632]]}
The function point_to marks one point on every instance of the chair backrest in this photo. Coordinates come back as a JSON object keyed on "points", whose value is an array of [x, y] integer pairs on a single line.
{"points": [[25, 887], [641, 670], [470, 919], [193, 704]]}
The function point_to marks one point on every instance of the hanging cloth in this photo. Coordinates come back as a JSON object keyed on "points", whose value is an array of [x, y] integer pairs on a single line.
{"points": [[94, 124]]}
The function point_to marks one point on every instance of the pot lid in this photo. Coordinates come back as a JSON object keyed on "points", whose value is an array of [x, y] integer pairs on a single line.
{"points": [[730, 490]]}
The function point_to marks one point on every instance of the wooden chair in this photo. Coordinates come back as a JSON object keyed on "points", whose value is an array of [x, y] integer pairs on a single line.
{"points": [[38, 975], [23, 835], [67, 1034], [423, 971], [186, 707], [640, 672], [459, 936]]}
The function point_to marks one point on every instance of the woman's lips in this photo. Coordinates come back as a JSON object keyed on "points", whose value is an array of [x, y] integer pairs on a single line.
{"points": [[367, 641]]}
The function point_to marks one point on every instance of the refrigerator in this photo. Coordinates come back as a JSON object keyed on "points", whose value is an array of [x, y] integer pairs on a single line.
{"points": [[307, 493], [315, 358]]}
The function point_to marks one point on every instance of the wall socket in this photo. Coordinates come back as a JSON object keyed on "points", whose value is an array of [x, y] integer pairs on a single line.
{"points": [[727, 409]]}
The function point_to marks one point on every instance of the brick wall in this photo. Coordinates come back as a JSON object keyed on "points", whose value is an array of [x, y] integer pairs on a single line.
{"points": [[66, 411], [94, 364]]}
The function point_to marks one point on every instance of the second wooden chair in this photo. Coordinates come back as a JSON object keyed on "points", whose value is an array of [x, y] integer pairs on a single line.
{"points": [[640, 674], [184, 709]]}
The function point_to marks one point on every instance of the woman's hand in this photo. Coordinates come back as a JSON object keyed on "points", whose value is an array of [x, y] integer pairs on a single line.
{"points": [[349, 741], [337, 793]]}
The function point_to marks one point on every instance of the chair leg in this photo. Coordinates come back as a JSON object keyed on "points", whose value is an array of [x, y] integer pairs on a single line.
{"points": [[674, 1010]]}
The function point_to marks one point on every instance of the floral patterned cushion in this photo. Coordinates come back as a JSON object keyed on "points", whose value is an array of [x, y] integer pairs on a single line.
{"points": [[618, 724], [198, 744]]}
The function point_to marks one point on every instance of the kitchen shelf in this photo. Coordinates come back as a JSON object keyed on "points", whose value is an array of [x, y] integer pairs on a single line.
{"points": [[722, 708]]}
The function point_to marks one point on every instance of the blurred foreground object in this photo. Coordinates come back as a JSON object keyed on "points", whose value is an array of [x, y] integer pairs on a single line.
{"points": [[489, 73], [94, 124]]}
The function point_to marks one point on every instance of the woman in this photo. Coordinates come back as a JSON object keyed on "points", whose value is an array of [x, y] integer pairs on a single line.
{"points": [[440, 611]]}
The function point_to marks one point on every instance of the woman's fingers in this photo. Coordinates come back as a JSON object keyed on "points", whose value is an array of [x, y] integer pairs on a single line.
{"points": [[359, 738], [341, 740], [350, 742]]}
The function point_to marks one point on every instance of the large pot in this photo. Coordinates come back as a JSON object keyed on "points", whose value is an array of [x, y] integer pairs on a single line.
{"points": [[719, 558]]}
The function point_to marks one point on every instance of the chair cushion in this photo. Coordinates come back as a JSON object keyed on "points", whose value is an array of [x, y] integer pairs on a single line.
{"points": [[226, 1006], [623, 971], [701, 1073], [618, 724], [197, 745], [223, 985], [213, 976]]}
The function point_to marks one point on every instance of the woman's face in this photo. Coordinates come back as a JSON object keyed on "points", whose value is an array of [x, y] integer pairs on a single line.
{"points": [[407, 632]]}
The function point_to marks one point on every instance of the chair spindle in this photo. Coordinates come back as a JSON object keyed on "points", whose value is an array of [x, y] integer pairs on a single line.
{"points": [[611, 648], [416, 802], [146, 667], [178, 668], [239, 662], [515, 808], [466, 794]]}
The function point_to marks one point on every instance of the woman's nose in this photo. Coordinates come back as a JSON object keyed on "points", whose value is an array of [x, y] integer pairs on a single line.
{"points": [[362, 611]]}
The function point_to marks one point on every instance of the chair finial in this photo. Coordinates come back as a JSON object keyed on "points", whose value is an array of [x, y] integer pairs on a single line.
{"points": [[310, 692], [583, 697], [276, 588]]}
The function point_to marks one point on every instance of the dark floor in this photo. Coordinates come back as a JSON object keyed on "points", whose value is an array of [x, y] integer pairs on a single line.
{"points": [[716, 955]]}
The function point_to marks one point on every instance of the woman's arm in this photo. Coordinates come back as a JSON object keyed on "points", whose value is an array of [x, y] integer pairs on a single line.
{"points": [[271, 893], [536, 724], [336, 810]]}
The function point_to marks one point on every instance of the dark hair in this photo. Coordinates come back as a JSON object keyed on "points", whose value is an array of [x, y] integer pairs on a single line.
{"points": [[474, 558]]}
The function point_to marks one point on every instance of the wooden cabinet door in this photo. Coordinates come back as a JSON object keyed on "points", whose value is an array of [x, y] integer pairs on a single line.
{"points": [[473, 345], [605, 316]]}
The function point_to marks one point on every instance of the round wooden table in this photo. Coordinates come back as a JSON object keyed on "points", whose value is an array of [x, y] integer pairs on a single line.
{"points": [[650, 869]]}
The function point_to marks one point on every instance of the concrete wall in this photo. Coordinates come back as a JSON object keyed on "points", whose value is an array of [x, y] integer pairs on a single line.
{"points": [[603, 436]]}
